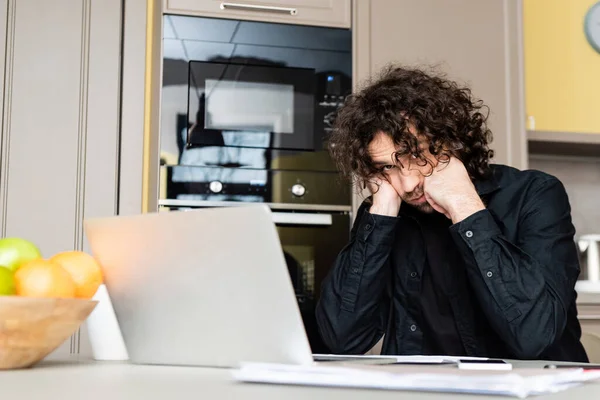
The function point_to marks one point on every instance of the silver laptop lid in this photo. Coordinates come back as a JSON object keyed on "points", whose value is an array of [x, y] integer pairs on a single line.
{"points": [[207, 287]]}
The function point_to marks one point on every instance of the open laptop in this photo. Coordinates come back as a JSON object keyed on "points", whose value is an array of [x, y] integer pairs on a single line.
{"points": [[207, 287]]}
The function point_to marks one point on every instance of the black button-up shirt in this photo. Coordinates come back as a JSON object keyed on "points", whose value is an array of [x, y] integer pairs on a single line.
{"points": [[515, 299], [442, 259]]}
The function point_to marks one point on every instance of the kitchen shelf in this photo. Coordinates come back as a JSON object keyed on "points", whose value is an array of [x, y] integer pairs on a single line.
{"points": [[564, 143]]}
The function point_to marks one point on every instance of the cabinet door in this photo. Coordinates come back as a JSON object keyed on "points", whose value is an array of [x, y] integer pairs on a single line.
{"points": [[334, 13], [3, 21], [589, 318], [561, 67], [473, 41], [60, 135]]}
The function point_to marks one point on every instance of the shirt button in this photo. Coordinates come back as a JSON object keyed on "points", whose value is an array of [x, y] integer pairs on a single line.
{"points": [[489, 274], [368, 227], [355, 270], [413, 328], [469, 234], [413, 274]]}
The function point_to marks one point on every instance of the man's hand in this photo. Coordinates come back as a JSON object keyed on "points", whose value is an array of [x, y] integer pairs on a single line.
{"points": [[449, 190], [386, 200]]}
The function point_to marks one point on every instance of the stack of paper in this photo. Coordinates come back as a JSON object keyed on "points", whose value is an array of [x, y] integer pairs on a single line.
{"points": [[517, 383]]}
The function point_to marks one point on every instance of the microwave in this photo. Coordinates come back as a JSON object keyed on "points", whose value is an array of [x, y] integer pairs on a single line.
{"points": [[261, 106]]}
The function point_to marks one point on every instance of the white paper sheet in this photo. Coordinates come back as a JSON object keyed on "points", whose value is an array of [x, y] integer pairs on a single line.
{"points": [[518, 383]]}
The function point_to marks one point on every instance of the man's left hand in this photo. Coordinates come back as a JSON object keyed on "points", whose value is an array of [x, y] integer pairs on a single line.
{"points": [[449, 190]]}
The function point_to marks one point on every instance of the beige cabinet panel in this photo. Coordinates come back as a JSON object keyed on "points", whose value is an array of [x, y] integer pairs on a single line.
{"points": [[335, 13], [131, 175], [44, 132], [3, 21], [588, 307], [60, 131], [100, 193], [61, 119], [590, 338], [476, 42], [141, 80], [103, 110]]}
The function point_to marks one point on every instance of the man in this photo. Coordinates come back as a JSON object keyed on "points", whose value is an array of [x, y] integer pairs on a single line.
{"points": [[450, 255]]}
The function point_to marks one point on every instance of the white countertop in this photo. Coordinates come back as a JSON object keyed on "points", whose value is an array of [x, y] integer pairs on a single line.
{"points": [[54, 380]]}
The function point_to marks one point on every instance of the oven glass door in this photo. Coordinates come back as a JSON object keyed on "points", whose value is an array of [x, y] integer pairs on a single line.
{"points": [[311, 243], [245, 105]]}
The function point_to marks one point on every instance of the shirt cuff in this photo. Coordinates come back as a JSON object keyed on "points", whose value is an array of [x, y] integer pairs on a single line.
{"points": [[377, 229], [476, 229]]}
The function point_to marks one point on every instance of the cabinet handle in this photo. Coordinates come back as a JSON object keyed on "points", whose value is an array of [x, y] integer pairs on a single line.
{"points": [[256, 7], [302, 219]]}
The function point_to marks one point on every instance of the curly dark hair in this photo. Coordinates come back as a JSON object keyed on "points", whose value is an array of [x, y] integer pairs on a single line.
{"points": [[441, 111]]}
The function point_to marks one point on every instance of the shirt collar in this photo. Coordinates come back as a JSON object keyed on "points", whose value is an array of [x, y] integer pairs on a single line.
{"points": [[489, 184]]}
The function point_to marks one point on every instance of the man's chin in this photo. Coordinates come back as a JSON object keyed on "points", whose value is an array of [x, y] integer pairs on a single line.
{"points": [[423, 207]]}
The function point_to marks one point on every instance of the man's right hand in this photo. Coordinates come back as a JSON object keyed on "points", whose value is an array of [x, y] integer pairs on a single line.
{"points": [[386, 200]]}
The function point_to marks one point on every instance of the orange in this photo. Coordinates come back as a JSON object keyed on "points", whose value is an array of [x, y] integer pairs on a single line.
{"points": [[84, 269], [43, 278]]}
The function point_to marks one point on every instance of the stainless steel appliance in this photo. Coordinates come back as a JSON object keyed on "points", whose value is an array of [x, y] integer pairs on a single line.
{"points": [[246, 111], [239, 99]]}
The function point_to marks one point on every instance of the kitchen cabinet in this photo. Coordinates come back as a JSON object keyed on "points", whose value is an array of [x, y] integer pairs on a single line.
{"points": [[60, 130], [334, 13], [562, 86], [3, 23], [588, 308], [474, 41]]}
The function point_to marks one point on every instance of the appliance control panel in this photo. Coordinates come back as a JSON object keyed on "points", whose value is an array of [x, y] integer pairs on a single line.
{"points": [[332, 89], [298, 190], [215, 186], [224, 188], [257, 185]]}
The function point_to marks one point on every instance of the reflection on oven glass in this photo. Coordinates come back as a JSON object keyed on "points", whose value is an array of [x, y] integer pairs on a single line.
{"points": [[252, 106], [255, 95], [229, 175], [233, 156], [303, 271], [300, 263]]}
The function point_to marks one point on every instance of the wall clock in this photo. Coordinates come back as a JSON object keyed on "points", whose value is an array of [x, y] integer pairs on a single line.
{"points": [[592, 26]]}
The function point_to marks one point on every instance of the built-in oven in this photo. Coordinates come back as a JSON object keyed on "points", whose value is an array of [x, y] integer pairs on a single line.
{"points": [[246, 110]]}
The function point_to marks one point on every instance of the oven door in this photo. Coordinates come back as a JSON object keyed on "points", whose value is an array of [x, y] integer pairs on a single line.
{"points": [[243, 105], [311, 242]]}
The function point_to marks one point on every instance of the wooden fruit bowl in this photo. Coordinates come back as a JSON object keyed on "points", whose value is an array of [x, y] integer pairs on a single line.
{"points": [[31, 328]]}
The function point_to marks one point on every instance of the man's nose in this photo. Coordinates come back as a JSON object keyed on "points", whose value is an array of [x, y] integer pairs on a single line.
{"points": [[410, 181]]}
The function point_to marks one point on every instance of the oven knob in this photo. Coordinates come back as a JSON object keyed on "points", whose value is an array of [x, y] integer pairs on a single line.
{"points": [[215, 186], [298, 190]]}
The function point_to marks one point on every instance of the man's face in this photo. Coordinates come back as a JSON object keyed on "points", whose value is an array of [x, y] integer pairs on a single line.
{"points": [[407, 180]]}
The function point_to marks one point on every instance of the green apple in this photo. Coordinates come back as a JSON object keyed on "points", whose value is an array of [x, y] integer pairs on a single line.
{"points": [[16, 251], [7, 282]]}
